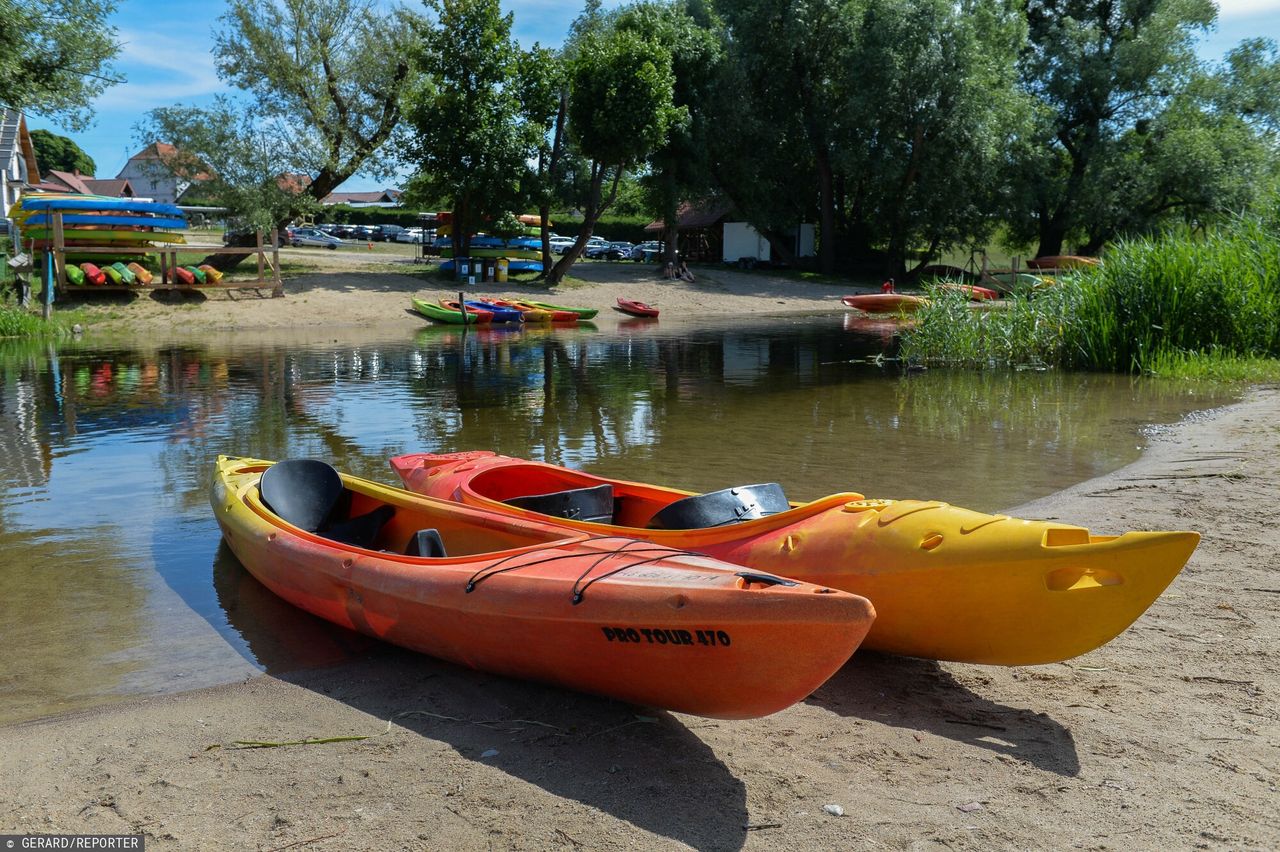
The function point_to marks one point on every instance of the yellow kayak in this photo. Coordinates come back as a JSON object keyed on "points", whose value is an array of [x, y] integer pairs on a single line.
{"points": [[947, 583]]}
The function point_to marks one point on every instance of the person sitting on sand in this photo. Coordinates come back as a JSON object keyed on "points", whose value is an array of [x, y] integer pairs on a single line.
{"points": [[669, 271], [685, 274]]}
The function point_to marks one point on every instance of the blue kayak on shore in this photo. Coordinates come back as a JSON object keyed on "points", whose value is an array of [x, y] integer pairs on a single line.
{"points": [[500, 312]]}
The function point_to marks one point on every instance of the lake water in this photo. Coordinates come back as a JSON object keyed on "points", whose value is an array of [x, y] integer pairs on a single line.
{"points": [[115, 584]]}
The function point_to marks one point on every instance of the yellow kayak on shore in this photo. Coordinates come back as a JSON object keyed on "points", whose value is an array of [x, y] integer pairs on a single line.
{"points": [[948, 583]]}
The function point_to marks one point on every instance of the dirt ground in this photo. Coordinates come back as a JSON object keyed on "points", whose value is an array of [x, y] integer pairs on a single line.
{"points": [[1167, 738], [352, 289]]}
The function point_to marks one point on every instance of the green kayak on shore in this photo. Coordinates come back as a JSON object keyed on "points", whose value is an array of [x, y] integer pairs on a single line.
{"points": [[439, 313], [583, 313]]}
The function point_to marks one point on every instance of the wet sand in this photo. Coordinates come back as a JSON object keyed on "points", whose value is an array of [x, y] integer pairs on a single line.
{"points": [[1168, 737]]}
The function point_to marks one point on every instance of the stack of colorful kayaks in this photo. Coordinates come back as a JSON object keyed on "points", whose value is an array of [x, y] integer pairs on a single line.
{"points": [[525, 598], [91, 221], [947, 583], [523, 250]]}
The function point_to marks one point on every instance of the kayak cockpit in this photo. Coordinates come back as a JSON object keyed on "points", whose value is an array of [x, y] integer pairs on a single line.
{"points": [[313, 497], [581, 497]]}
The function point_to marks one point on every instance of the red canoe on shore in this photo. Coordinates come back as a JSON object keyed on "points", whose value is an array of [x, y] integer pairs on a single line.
{"points": [[636, 309], [885, 303]]}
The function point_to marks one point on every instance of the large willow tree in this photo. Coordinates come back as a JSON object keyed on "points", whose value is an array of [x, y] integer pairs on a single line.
{"points": [[323, 80]]}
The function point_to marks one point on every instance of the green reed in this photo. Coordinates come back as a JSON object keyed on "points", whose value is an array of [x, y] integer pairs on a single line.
{"points": [[16, 321], [1162, 305]]}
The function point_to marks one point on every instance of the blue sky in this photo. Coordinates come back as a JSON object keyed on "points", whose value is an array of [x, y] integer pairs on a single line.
{"points": [[167, 59]]}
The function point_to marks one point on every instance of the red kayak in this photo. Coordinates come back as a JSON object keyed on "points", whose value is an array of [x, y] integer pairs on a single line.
{"points": [[636, 309], [482, 316], [181, 275], [885, 303], [92, 274]]}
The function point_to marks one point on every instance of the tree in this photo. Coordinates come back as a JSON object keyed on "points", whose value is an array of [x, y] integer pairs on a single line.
{"points": [[465, 110], [55, 57], [1098, 69], [244, 162], [619, 110], [677, 169], [60, 153], [324, 79], [885, 119]]}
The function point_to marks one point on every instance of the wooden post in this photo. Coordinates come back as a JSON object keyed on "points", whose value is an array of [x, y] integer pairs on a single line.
{"points": [[278, 291], [59, 252], [262, 259], [462, 307]]}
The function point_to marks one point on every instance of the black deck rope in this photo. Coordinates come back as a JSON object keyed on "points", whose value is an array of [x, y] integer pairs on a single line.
{"points": [[662, 551]]}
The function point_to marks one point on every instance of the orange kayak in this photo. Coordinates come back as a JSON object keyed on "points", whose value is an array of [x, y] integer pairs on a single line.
{"points": [[525, 598], [885, 303], [947, 583]]}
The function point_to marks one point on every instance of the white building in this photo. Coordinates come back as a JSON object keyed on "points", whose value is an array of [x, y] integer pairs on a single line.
{"points": [[18, 167], [155, 173]]}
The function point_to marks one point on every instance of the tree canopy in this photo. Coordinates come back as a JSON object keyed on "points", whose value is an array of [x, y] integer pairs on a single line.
{"points": [[322, 82], [60, 153], [466, 110], [55, 57]]}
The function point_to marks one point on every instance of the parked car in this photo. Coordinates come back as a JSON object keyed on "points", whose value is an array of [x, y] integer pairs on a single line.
{"points": [[314, 237], [560, 245], [386, 233], [328, 228], [649, 251], [362, 232], [411, 235], [249, 237], [607, 251]]}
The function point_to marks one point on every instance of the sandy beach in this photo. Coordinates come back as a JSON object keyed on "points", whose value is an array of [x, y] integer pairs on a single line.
{"points": [[1168, 737], [350, 289]]}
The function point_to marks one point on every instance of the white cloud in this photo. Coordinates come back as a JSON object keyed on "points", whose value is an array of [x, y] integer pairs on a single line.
{"points": [[161, 70], [1248, 8]]}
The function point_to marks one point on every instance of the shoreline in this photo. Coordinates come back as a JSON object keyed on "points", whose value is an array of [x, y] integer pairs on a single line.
{"points": [[364, 293], [1166, 736]]}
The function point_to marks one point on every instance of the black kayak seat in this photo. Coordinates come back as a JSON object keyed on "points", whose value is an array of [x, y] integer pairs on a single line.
{"points": [[302, 492], [593, 505], [306, 493], [426, 543], [720, 508]]}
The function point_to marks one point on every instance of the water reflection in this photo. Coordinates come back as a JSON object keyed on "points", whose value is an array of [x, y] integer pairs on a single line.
{"points": [[112, 586]]}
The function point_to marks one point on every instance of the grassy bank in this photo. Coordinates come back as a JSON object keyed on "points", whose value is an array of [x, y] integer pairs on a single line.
{"points": [[17, 321], [1189, 305]]}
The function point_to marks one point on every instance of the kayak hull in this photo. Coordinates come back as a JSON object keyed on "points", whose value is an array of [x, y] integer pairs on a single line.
{"points": [[636, 309], [673, 630], [583, 313], [432, 311], [885, 303], [948, 583]]}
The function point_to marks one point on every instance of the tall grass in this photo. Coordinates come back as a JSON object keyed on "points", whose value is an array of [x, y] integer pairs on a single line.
{"points": [[16, 321], [1156, 305]]}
